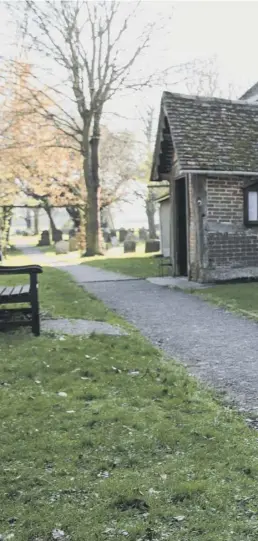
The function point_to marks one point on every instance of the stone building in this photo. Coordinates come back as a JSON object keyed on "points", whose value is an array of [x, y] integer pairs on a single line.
{"points": [[207, 148]]}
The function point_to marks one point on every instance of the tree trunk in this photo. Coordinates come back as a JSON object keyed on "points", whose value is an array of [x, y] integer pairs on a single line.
{"points": [[51, 221], [28, 219], [150, 211], [36, 221], [91, 175], [6, 226], [75, 215]]}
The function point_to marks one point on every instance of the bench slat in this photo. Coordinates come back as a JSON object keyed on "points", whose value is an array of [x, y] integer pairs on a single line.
{"points": [[8, 291], [17, 290], [15, 294], [25, 290], [2, 290]]}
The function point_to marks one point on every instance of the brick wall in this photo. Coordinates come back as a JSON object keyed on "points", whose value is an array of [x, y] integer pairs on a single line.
{"points": [[232, 250], [230, 245], [225, 201], [221, 247]]}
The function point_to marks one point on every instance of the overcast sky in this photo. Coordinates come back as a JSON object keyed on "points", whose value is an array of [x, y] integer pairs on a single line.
{"points": [[224, 31]]}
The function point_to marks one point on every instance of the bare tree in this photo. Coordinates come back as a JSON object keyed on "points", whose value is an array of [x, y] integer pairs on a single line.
{"points": [[147, 118], [201, 77], [86, 40], [118, 165]]}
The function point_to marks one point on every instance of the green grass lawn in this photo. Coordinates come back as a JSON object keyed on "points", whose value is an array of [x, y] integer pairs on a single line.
{"points": [[61, 297], [138, 264], [132, 448], [240, 298], [144, 266]]}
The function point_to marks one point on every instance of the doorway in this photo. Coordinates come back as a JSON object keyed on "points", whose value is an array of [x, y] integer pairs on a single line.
{"points": [[181, 226]]}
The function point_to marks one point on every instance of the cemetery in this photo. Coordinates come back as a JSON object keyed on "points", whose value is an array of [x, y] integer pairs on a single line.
{"points": [[128, 271]]}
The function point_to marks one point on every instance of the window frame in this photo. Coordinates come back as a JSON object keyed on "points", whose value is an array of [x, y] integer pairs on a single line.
{"points": [[247, 189]]}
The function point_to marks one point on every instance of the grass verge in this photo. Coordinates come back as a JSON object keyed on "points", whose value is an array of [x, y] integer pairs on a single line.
{"points": [[60, 296], [145, 266], [241, 298], [131, 448]]}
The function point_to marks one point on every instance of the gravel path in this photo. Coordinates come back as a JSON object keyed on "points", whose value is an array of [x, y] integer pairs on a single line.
{"points": [[218, 347], [81, 327]]}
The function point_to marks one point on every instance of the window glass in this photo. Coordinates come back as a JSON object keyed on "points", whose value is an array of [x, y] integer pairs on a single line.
{"points": [[252, 207]]}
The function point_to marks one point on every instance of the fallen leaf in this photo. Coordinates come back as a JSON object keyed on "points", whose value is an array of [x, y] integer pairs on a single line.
{"points": [[58, 534], [179, 518], [103, 474], [152, 491], [62, 393], [134, 372]]}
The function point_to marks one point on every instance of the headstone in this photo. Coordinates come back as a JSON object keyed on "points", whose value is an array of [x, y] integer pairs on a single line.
{"points": [[122, 234], [152, 245], [45, 239], [73, 244], [57, 235], [72, 233], [114, 241], [129, 246], [131, 236], [80, 238], [143, 234], [106, 235], [62, 247]]}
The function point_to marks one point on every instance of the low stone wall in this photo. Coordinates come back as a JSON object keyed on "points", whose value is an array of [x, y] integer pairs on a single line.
{"points": [[233, 249], [231, 255]]}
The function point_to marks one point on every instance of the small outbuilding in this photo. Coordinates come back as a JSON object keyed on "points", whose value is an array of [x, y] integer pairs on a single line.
{"points": [[207, 148]]}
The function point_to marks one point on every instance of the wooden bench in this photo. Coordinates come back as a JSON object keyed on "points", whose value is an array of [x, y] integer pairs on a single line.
{"points": [[20, 294]]}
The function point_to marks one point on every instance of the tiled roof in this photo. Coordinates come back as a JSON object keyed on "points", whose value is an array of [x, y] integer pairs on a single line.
{"points": [[212, 133]]}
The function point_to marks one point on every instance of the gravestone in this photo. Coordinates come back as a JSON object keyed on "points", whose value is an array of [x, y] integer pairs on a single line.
{"points": [[129, 246], [122, 234], [106, 236], [114, 241], [57, 235], [143, 234], [131, 236], [45, 239], [73, 244], [62, 247], [152, 245], [72, 233]]}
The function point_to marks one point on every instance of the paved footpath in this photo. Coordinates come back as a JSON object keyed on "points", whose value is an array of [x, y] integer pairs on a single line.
{"points": [[218, 347]]}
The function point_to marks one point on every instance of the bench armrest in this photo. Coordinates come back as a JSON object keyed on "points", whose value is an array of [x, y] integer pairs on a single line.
{"points": [[25, 269]]}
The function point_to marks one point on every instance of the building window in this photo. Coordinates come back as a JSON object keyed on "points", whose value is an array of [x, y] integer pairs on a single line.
{"points": [[251, 205]]}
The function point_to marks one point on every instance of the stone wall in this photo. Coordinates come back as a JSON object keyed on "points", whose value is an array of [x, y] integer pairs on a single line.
{"points": [[233, 250]]}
